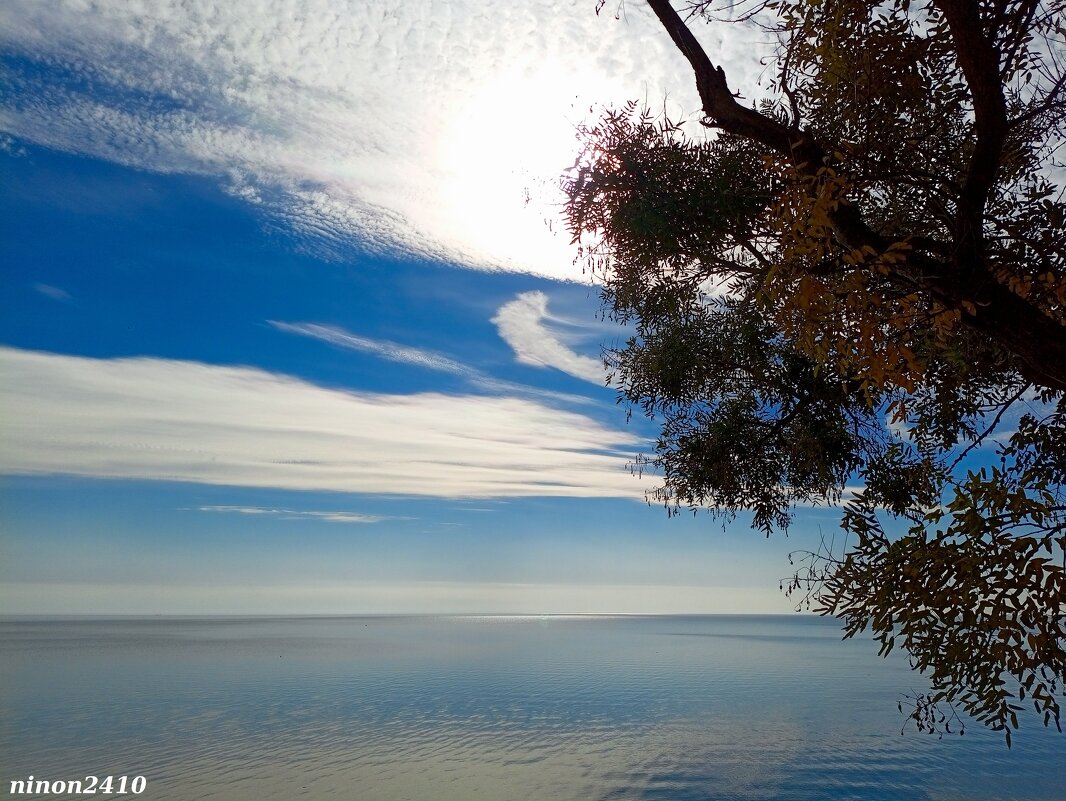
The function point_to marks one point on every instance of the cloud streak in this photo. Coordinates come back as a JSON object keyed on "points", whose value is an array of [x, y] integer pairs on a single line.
{"points": [[382, 348], [53, 292], [295, 514], [159, 419], [521, 323], [418, 357], [417, 127]]}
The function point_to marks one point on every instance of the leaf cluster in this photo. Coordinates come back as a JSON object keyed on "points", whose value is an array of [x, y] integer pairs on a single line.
{"points": [[862, 282]]}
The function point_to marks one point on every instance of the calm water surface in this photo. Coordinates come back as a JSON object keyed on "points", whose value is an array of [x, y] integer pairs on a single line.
{"points": [[464, 708]]}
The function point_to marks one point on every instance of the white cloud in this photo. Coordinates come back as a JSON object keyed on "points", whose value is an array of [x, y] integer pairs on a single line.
{"points": [[521, 324], [418, 357], [9, 148], [415, 126], [148, 418], [296, 514], [53, 292], [382, 348]]}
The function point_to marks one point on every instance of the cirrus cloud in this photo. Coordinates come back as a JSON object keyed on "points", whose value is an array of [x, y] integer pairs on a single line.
{"points": [[521, 323], [430, 128], [418, 357], [296, 514], [150, 418]]}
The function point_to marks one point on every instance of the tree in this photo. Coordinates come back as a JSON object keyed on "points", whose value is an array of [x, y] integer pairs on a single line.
{"points": [[863, 279]]}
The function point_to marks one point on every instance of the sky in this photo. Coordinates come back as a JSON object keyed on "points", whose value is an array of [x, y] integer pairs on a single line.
{"points": [[290, 323]]}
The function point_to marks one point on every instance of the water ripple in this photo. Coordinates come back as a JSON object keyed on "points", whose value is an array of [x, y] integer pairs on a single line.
{"points": [[493, 708]]}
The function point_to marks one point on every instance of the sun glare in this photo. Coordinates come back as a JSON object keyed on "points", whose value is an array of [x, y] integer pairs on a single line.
{"points": [[500, 162]]}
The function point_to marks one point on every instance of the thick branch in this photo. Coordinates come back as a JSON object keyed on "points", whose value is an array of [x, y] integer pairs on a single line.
{"points": [[718, 102], [979, 59]]}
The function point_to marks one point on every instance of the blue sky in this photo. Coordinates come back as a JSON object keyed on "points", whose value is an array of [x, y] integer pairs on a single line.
{"points": [[288, 324]]}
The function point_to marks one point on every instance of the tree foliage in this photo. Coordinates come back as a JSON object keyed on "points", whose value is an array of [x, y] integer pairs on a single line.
{"points": [[862, 281]]}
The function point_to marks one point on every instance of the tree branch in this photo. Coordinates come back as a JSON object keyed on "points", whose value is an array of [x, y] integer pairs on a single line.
{"points": [[979, 60], [718, 102], [1037, 340]]}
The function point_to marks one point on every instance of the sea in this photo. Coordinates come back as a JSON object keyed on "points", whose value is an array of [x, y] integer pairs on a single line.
{"points": [[503, 708]]}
